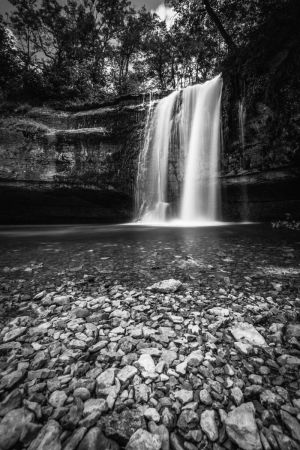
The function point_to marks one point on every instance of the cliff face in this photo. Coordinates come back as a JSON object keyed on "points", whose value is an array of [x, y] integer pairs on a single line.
{"points": [[261, 122], [58, 166]]}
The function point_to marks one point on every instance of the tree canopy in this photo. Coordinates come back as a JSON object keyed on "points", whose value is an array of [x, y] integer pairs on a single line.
{"points": [[92, 49]]}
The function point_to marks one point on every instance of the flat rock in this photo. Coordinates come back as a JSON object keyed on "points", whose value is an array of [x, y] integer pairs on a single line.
{"points": [[12, 379], [152, 414], [126, 373], [184, 396], [12, 401], [94, 405], [293, 330], [143, 440], [48, 438], [196, 355], [57, 399], [218, 311], [12, 426], [290, 360], [169, 356], [146, 363], [209, 425], [241, 427], [95, 440], [14, 334], [188, 420], [244, 331], [106, 378], [121, 426], [166, 286], [292, 424]]}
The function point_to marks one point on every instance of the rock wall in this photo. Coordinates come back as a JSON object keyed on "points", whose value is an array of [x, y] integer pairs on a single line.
{"points": [[58, 166]]}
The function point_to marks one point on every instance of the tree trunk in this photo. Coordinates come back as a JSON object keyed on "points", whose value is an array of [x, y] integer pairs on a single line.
{"points": [[227, 38]]}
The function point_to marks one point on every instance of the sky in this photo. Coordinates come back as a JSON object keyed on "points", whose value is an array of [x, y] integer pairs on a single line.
{"points": [[5, 6]]}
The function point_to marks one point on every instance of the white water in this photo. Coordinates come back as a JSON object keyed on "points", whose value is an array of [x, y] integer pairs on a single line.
{"points": [[195, 130]]}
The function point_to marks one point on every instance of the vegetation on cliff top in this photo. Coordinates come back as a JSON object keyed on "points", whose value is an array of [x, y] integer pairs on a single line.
{"points": [[90, 50]]}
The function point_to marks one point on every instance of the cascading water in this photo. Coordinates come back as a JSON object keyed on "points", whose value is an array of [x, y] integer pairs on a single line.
{"points": [[195, 131]]}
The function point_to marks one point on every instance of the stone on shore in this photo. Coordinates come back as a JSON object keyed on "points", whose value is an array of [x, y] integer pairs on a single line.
{"points": [[166, 286], [143, 440], [241, 427], [244, 331]]}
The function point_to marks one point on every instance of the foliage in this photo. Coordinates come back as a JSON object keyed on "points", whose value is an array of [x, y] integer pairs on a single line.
{"points": [[87, 50]]}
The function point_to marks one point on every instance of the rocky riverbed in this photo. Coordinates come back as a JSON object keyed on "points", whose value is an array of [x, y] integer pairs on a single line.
{"points": [[149, 339]]}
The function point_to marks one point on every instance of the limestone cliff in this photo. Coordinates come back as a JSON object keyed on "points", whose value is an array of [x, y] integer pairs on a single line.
{"points": [[62, 166]]}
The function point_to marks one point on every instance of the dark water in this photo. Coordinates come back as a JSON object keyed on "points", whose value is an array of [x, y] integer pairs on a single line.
{"points": [[136, 256], [88, 260]]}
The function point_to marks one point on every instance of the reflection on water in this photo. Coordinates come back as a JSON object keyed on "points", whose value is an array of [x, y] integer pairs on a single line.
{"points": [[41, 256]]}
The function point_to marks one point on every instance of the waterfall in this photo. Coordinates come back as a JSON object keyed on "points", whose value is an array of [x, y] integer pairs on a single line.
{"points": [[188, 120]]}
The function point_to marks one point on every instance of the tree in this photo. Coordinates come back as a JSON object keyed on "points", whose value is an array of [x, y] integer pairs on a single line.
{"points": [[10, 60]]}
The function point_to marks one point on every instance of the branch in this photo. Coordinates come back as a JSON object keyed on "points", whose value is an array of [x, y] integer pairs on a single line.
{"points": [[227, 38]]}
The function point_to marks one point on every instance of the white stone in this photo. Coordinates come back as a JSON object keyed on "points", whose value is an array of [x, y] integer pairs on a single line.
{"points": [[244, 331], [126, 373], [209, 425], [106, 378], [218, 311], [94, 405], [241, 427], [184, 396], [152, 414], [146, 363], [14, 334], [166, 286], [143, 440], [57, 399]]}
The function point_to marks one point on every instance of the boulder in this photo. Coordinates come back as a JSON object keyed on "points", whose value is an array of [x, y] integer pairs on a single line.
{"points": [[166, 286], [242, 429]]}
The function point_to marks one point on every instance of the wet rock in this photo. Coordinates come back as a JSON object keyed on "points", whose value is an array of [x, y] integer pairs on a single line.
{"points": [[120, 426], [209, 425], [290, 360], [184, 396], [142, 392], [57, 399], [48, 438], [188, 420], [152, 414], [14, 334], [292, 424], [293, 331], [106, 379], [162, 432], [94, 405], [143, 440], [95, 440], [241, 427], [168, 418], [205, 397], [126, 373], [10, 380], [244, 331], [166, 286], [177, 443], [12, 401], [73, 441], [237, 395], [146, 363], [169, 356], [12, 426]]}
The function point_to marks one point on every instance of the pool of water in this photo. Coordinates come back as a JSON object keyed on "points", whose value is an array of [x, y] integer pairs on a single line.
{"points": [[37, 257]]}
